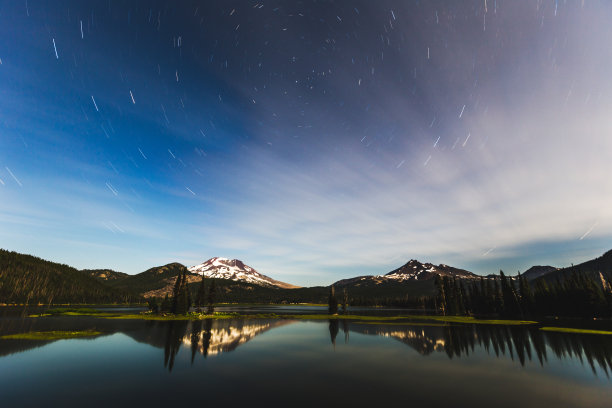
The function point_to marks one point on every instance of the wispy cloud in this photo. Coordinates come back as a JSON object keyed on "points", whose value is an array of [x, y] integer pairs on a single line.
{"points": [[532, 175]]}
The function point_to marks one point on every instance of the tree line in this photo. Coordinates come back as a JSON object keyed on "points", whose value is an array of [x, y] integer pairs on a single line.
{"points": [[26, 279], [577, 295], [182, 301]]}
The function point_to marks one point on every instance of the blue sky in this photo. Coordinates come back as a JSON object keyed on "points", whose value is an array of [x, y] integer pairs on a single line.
{"points": [[313, 140]]}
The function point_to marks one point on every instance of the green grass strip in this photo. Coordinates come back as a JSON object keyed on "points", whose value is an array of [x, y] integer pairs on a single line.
{"points": [[51, 335], [234, 315], [473, 320], [68, 310], [572, 330], [171, 317]]}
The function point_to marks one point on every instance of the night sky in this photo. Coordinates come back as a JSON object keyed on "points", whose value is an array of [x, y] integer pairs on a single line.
{"points": [[313, 140]]}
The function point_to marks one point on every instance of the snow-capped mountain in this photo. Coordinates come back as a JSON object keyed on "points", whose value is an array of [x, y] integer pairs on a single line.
{"points": [[415, 270], [236, 270]]}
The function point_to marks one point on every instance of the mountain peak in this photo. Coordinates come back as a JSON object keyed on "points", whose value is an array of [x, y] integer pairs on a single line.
{"points": [[538, 270], [236, 270], [415, 270]]}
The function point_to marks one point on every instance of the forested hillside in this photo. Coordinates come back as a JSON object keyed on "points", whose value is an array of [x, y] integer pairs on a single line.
{"points": [[105, 275], [28, 279], [591, 268], [155, 281], [581, 291]]}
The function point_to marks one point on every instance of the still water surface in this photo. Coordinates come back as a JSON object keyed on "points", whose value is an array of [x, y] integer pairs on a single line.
{"points": [[266, 362]]}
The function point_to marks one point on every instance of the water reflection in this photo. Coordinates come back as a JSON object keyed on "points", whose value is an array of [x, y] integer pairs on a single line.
{"points": [[174, 334], [209, 337], [213, 337], [345, 329], [224, 335], [517, 343], [333, 330], [196, 333]]}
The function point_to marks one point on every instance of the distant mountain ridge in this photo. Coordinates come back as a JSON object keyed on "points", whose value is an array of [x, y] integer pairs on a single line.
{"points": [[537, 271], [598, 268], [236, 270], [27, 279]]}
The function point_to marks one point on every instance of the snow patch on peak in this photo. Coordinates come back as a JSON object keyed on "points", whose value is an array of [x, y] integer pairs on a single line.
{"points": [[236, 270]]}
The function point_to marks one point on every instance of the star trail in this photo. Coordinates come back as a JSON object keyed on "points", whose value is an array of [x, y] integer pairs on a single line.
{"points": [[312, 139]]}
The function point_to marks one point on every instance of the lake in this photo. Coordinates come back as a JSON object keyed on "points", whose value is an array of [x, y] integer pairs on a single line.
{"points": [[275, 362]]}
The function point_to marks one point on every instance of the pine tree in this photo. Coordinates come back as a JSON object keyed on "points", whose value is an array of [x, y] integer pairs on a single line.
{"points": [[465, 300], [153, 305], [451, 300], [211, 297], [188, 295], [541, 297], [183, 302], [201, 297], [488, 296], [344, 301], [332, 302], [498, 300], [511, 304], [166, 305], [441, 293], [175, 293], [459, 307], [475, 298], [526, 295]]}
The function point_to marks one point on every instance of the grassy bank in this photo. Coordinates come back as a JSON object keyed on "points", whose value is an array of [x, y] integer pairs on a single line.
{"points": [[51, 335], [573, 330], [219, 315]]}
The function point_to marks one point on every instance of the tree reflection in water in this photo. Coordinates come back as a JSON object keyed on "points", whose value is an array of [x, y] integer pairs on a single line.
{"points": [[345, 328], [207, 337], [333, 330], [518, 343], [174, 334], [211, 337], [196, 329]]}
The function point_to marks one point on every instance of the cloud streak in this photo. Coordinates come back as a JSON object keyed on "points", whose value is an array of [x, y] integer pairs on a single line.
{"points": [[533, 174]]}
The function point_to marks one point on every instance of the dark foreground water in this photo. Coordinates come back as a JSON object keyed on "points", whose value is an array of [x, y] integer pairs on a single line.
{"points": [[301, 363]]}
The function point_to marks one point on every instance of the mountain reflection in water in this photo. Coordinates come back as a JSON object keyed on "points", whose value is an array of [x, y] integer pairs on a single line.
{"points": [[519, 344], [214, 337], [211, 337]]}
